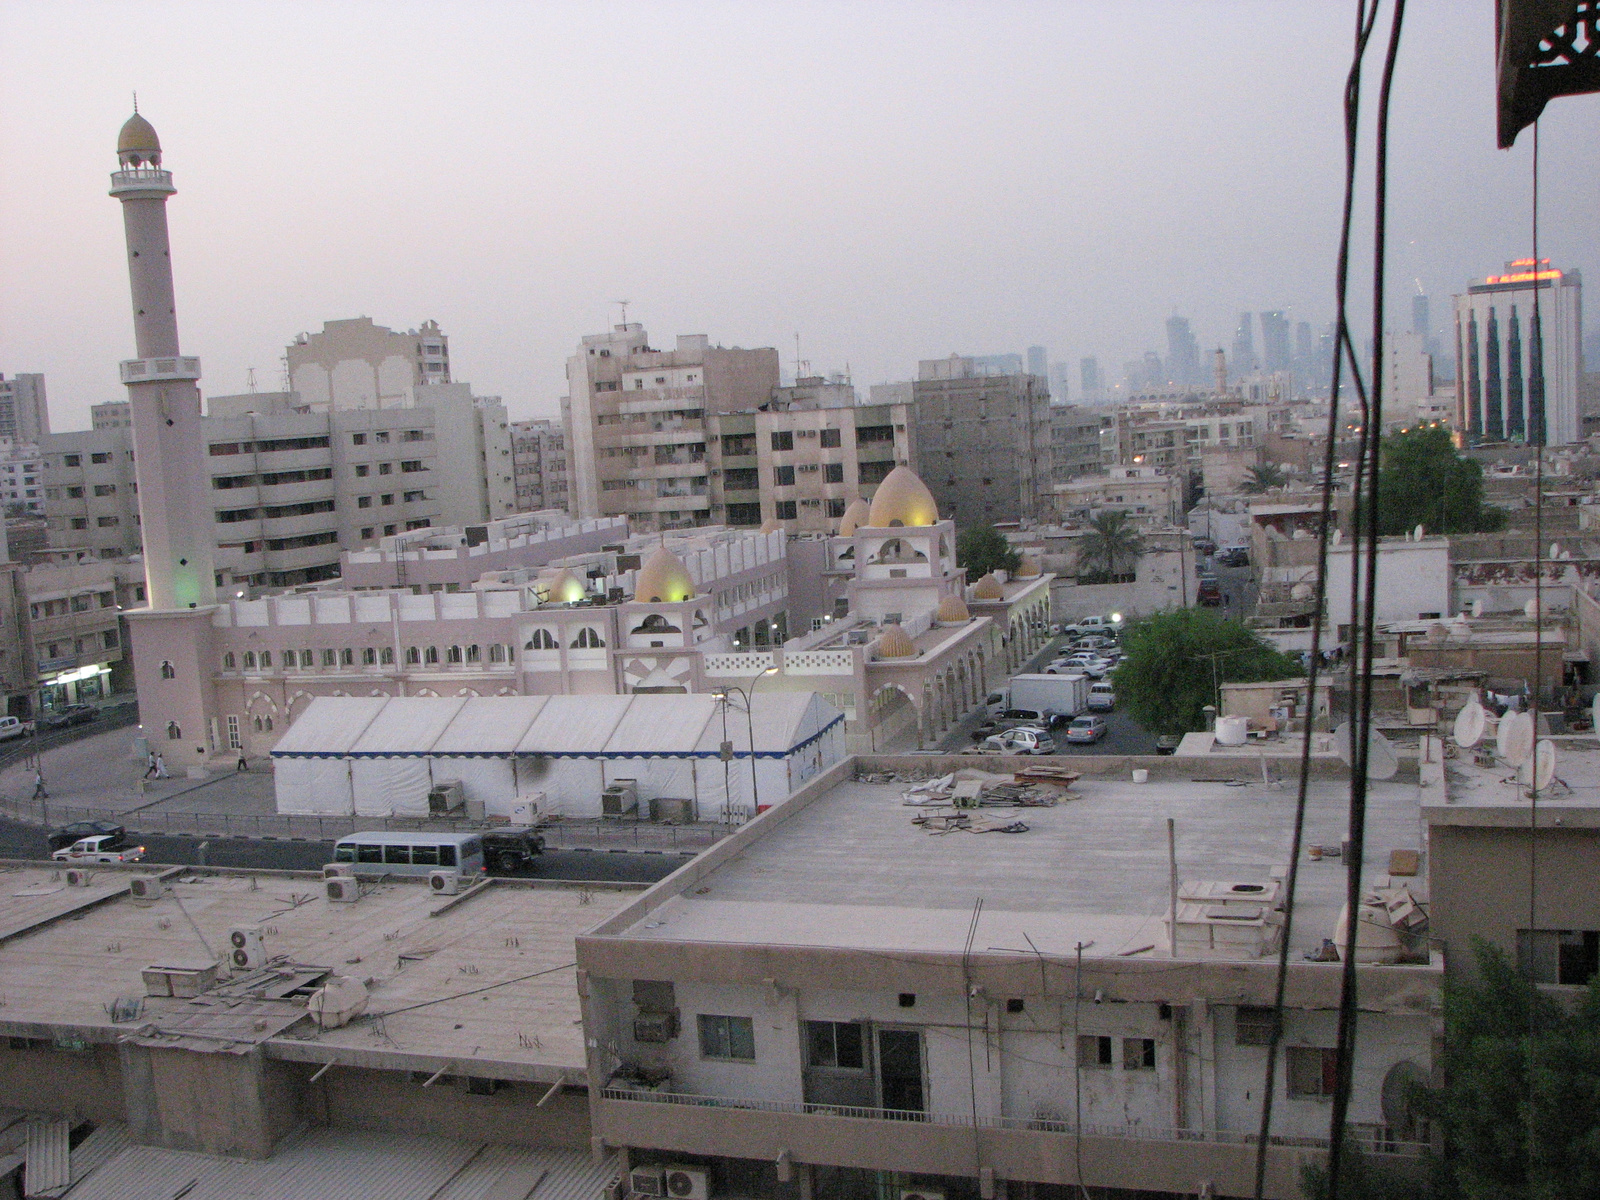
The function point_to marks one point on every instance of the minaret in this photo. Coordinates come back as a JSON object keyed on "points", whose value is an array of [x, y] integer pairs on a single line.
{"points": [[171, 638]]}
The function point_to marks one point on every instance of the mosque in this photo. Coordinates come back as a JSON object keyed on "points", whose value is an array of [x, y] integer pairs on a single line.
{"points": [[877, 619]]}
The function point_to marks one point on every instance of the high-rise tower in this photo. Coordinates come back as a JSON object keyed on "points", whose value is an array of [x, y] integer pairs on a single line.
{"points": [[171, 637]]}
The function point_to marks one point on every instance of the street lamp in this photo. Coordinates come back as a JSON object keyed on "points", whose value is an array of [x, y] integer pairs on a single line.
{"points": [[750, 726]]}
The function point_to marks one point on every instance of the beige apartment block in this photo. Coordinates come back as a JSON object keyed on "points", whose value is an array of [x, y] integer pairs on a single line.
{"points": [[539, 465], [76, 639], [636, 422], [357, 364], [24, 409], [1149, 496]]}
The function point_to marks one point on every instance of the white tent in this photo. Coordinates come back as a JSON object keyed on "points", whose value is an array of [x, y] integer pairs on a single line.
{"points": [[377, 756]]}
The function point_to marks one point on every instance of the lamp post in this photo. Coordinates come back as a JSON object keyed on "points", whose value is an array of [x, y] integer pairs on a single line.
{"points": [[750, 726]]}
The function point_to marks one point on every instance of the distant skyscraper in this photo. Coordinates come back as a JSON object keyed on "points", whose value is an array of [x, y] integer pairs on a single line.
{"points": [[1420, 322], [1244, 346], [1038, 362], [1305, 358], [1094, 383], [1183, 353], [1060, 380], [1155, 374], [1274, 341]]}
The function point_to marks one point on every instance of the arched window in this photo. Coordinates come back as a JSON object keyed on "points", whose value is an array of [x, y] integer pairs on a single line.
{"points": [[588, 639], [413, 656], [258, 724], [386, 656], [249, 660], [542, 639], [347, 657], [497, 653], [174, 734], [266, 658], [474, 655], [269, 724], [369, 656], [430, 656], [166, 670], [228, 661], [452, 654], [305, 658]]}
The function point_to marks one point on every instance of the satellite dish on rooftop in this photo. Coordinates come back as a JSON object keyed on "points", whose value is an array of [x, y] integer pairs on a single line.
{"points": [[1470, 724], [1381, 760], [1417, 535], [1514, 742], [1540, 768]]}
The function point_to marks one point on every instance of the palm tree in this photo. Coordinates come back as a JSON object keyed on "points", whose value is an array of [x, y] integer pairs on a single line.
{"points": [[1112, 546], [1259, 479]]}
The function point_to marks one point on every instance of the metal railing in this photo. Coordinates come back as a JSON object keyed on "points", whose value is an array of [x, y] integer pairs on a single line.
{"points": [[1370, 1138]]}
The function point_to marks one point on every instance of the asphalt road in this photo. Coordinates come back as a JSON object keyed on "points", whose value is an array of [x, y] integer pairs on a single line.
{"points": [[586, 866]]}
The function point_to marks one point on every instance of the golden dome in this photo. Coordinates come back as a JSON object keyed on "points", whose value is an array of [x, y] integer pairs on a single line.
{"points": [[854, 516], [896, 643], [138, 134], [988, 588], [1029, 569], [952, 610], [902, 499], [663, 579], [563, 588]]}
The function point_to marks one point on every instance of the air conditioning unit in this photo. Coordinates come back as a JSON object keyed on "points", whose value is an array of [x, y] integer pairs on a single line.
{"points": [[77, 877], [444, 883], [688, 1183], [146, 889], [647, 1181], [246, 952], [620, 799], [342, 889], [617, 1189], [920, 1194], [655, 1028], [338, 870]]}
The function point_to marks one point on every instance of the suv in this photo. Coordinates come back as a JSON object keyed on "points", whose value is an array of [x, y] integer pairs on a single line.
{"points": [[1234, 556], [105, 848], [1091, 625], [1018, 741], [1209, 593], [1088, 728], [511, 848], [1011, 718], [1102, 697], [58, 839], [14, 727]]}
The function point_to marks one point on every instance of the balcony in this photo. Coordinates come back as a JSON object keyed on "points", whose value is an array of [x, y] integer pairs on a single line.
{"points": [[1127, 1156], [141, 179], [155, 370]]}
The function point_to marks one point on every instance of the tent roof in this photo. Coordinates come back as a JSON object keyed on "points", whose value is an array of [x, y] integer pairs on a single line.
{"points": [[335, 722], [574, 725], [654, 727], [488, 724], [408, 725]]}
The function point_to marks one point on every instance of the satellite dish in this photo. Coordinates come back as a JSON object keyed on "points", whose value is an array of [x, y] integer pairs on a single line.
{"points": [[1540, 768], [1381, 760], [1338, 536], [1470, 725], [1514, 742], [1417, 535]]}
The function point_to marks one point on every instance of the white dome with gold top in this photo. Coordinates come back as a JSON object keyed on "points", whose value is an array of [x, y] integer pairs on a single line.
{"points": [[902, 499], [663, 579], [854, 517]]}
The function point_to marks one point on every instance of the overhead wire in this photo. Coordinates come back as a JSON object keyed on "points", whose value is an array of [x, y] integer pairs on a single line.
{"points": [[1536, 430]]}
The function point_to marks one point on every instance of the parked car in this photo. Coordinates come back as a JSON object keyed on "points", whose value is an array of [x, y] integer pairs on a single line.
{"points": [[67, 834], [1018, 741], [1209, 593], [14, 727], [1090, 727], [1092, 625], [510, 848], [72, 714], [1011, 718], [1167, 744], [1096, 641], [1234, 556], [1102, 697], [102, 849]]}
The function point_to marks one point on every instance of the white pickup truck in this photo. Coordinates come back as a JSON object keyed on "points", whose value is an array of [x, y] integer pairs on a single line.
{"points": [[14, 727], [105, 848]]}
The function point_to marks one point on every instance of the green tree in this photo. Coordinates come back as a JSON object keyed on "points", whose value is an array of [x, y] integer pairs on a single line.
{"points": [[1259, 479], [1166, 678], [982, 549], [1422, 480], [1110, 548]]}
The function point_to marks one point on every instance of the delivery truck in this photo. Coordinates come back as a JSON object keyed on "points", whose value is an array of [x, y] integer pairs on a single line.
{"points": [[1061, 696]]}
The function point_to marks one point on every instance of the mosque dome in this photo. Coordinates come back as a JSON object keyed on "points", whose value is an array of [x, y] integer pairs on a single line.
{"points": [[854, 516], [564, 588], [953, 610], [138, 134], [663, 579], [902, 499], [896, 643], [988, 588], [1029, 569]]}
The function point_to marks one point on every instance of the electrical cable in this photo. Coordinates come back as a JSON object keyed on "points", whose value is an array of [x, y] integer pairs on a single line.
{"points": [[1352, 101], [1536, 428], [1361, 727]]}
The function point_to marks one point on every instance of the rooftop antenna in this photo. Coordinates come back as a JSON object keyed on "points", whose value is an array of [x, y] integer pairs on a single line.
{"points": [[1418, 282], [624, 306], [136, 104], [250, 379], [801, 366]]}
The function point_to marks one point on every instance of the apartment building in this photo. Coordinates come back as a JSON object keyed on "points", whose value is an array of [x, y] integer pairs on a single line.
{"points": [[24, 409], [76, 640], [983, 440], [1074, 441], [635, 420], [802, 458], [292, 486], [21, 479], [113, 414], [1175, 435], [539, 465], [1148, 495], [359, 364]]}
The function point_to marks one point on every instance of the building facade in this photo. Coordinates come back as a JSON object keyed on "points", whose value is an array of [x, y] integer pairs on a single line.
{"points": [[539, 465], [358, 364], [24, 409]]}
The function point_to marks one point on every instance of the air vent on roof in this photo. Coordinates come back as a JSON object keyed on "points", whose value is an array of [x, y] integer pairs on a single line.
{"points": [[342, 890]]}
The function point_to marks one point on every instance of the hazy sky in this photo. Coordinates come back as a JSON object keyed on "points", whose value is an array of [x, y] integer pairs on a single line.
{"points": [[893, 181]]}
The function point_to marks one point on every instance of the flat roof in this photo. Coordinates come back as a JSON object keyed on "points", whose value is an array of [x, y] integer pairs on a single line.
{"points": [[850, 870], [486, 977], [1494, 795]]}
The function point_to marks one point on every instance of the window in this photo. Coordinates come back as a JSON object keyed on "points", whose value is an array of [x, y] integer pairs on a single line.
{"points": [[838, 1044], [399, 856], [75, 493], [424, 856], [783, 440], [108, 522], [1311, 1070], [411, 466], [430, 656], [105, 489], [358, 439], [366, 533], [741, 479], [836, 508], [363, 470], [166, 670], [266, 661], [234, 743], [588, 639], [413, 497], [497, 653], [228, 661], [1252, 1025], [473, 654], [347, 657], [102, 456], [832, 472], [174, 732], [385, 468], [1138, 1054], [249, 660], [452, 654], [364, 502], [80, 522], [731, 1038], [908, 999], [413, 656], [369, 656], [541, 639], [380, 437], [72, 460], [784, 510], [830, 439], [1094, 1051], [305, 658], [386, 656], [108, 639], [329, 658], [388, 499], [1569, 956], [783, 476]]}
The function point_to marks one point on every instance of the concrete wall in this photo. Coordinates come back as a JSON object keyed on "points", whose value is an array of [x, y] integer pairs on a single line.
{"points": [[216, 1103], [77, 1084], [396, 1101]]}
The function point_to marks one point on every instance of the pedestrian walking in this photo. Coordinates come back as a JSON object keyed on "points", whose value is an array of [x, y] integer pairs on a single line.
{"points": [[244, 763], [161, 767], [38, 785], [149, 763]]}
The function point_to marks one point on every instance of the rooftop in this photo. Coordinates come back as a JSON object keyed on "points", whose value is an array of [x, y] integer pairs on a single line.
{"points": [[1497, 794], [850, 869]]}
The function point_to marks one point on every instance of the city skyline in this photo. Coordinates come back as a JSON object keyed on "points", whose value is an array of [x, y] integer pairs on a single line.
{"points": [[814, 186]]}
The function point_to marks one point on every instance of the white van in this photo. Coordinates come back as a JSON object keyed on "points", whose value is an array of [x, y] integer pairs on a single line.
{"points": [[412, 854], [12, 727], [1102, 696]]}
